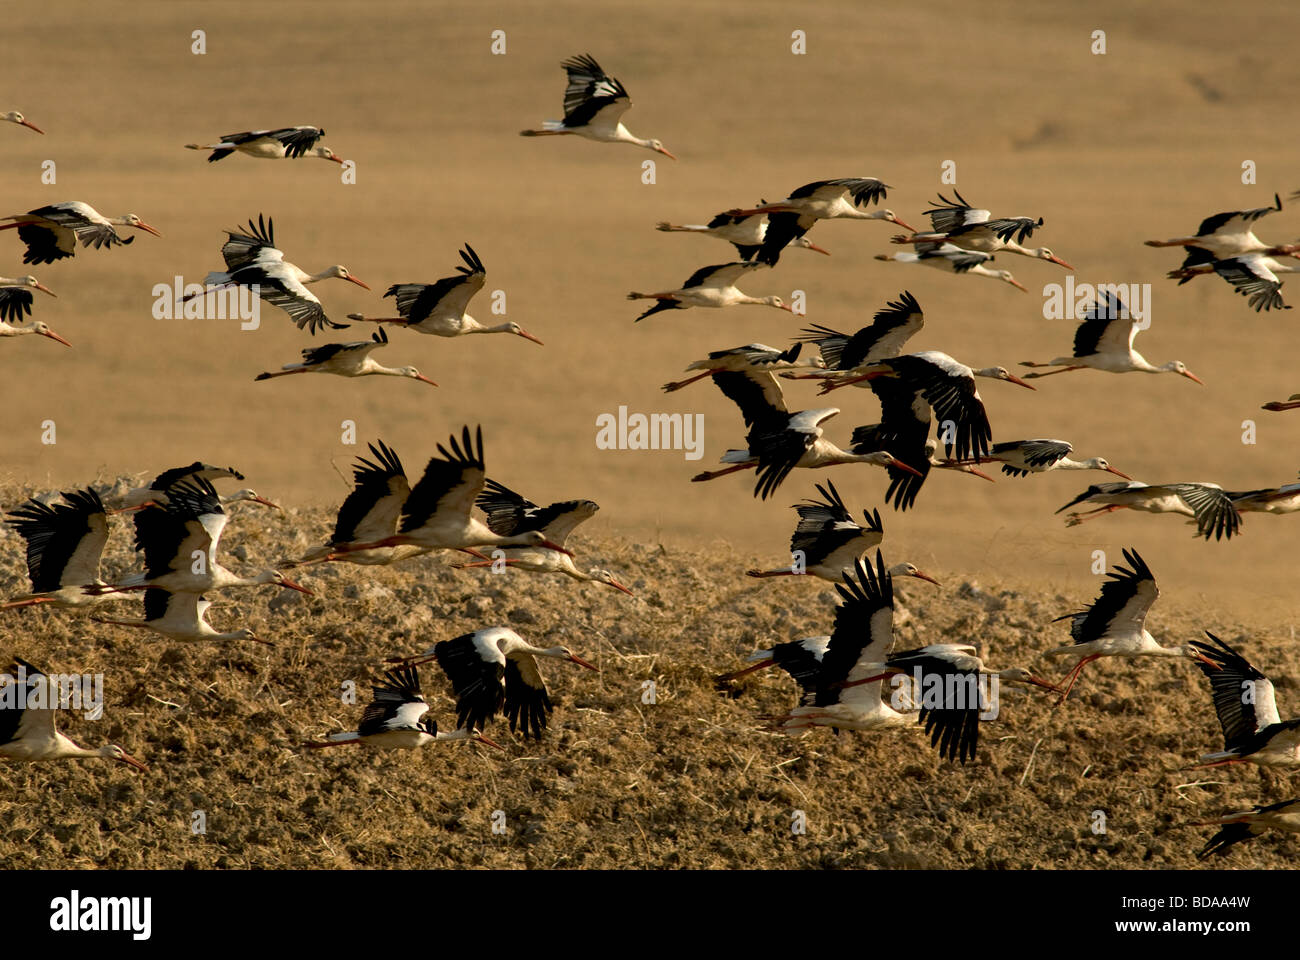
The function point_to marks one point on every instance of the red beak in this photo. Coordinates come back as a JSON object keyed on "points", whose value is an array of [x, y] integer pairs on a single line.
{"points": [[583, 663], [352, 279]]}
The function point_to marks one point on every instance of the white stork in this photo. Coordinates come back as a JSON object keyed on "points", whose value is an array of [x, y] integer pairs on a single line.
{"points": [[1226, 234], [494, 670], [594, 104], [713, 286], [1209, 506], [16, 296], [1246, 705], [904, 436], [1277, 500], [155, 493], [16, 303], [397, 718], [281, 144], [951, 258], [745, 233], [829, 541], [1020, 458], [51, 232], [752, 356], [1253, 275], [65, 543], [858, 645], [180, 616], [1104, 341], [439, 308], [1248, 824], [180, 541], [509, 514], [436, 514], [845, 198], [917, 384], [842, 353], [13, 116], [347, 360], [778, 441], [801, 659], [946, 681], [1114, 625], [252, 260], [370, 512], [27, 732], [958, 223]]}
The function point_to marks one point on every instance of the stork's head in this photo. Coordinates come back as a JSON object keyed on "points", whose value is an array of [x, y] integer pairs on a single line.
{"points": [[13, 116], [341, 272], [415, 374], [114, 752], [1042, 253], [658, 147], [40, 327], [325, 153], [605, 577], [519, 331], [1006, 277], [131, 220]]}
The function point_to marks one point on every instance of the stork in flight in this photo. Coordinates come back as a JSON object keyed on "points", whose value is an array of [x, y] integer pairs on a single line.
{"points": [[180, 542], [946, 680], [180, 616], [778, 441], [1226, 234], [1209, 506], [845, 353], [65, 543], [347, 360], [284, 143], [28, 732], [1020, 458], [951, 258], [594, 104], [1246, 705], [13, 116], [494, 670], [510, 514], [845, 198], [752, 356], [436, 514], [828, 540], [16, 304], [908, 442], [1248, 824], [397, 718], [856, 649], [439, 308], [1253, 275], [713, 286], [958, 223], [51, 232], [1276, 500], [915, 385], [1114, 625], [370, 512], [745, 233], [1104, 341], [253, 260], [155, 492]]}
